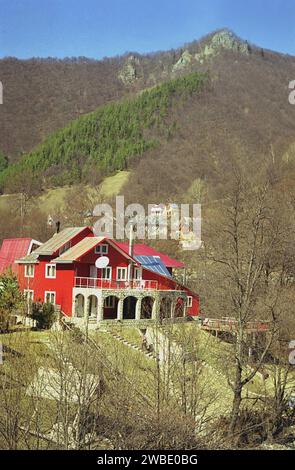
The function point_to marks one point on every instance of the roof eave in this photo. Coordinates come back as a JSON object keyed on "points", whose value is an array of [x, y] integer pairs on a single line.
{"points": [[66, 261], [22, 261]]}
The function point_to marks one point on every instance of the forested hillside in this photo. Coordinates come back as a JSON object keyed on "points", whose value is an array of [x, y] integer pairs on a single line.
{"points": [[105, 140], [43, 95]]}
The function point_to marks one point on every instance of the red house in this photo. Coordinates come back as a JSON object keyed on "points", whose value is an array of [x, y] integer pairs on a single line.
{"points": [[132, 283]]}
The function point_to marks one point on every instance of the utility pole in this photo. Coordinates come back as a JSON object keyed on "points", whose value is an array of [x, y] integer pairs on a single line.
{"points": [[130, 265], [158, 386], [22, 213]]}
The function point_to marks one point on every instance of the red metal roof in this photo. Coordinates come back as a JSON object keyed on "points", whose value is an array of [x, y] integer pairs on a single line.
{"points": [[12, 249], [145, 250], [138, 250]]}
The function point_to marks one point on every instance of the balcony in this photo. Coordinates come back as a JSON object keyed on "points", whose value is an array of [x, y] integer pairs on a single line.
{"points": [[94, 283]]}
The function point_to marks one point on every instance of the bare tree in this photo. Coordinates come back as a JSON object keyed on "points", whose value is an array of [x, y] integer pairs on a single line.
{"points": [[19, 366], [241, 243]]}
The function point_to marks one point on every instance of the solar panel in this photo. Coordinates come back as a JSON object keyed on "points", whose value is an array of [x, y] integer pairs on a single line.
{"points": [[153, 263]]}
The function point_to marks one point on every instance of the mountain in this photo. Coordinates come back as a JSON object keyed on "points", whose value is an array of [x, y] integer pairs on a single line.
{"points": [[243, 116], [43, 95]]}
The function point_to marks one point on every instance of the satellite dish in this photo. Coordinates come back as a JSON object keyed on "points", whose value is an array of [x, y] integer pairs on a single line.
{"points": [[102, 262]]}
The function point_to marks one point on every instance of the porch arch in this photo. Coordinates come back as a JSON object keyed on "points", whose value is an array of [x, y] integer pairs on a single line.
{"points": [[147, 307], [165, 308], [92, 305], [79, 305], [179, 307], [129, 308], [110, 307]]}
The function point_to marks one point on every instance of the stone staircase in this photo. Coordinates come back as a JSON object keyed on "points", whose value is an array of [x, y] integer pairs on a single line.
{"points": [[136, 347]]}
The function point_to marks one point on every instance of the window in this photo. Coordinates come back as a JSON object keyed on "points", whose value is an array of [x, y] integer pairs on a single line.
{"points": [[121, 274], [49, 297], [110, 302], [138, 274], [65, 248], [29, 295], [50, 271], [189, 301], [29, 270], [106, 273], [102, 249]]}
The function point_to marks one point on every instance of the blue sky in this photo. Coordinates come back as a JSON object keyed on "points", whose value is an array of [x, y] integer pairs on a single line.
{"points": [[98, 28]]}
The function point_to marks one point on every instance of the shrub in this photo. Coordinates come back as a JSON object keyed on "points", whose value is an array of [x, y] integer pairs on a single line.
{"points": [[10, 298], [44, 315]]}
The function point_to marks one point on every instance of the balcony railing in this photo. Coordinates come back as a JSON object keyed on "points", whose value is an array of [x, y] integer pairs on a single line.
{"points": [[94, 283]]}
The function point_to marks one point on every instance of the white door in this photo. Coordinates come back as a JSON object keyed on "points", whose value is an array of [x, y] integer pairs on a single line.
{"points": [[93, 271]]}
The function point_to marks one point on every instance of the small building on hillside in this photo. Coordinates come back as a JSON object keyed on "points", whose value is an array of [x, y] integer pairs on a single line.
{"points": [[157, 210], [172, 209], [15, 248], [101, 279]]}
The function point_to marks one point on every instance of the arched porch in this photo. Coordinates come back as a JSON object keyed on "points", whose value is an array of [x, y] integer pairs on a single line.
{"points": [[129, 308], [92, 306], [79, 305], [147, 304], [179, 309], [110, 307], [165, 308]]}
